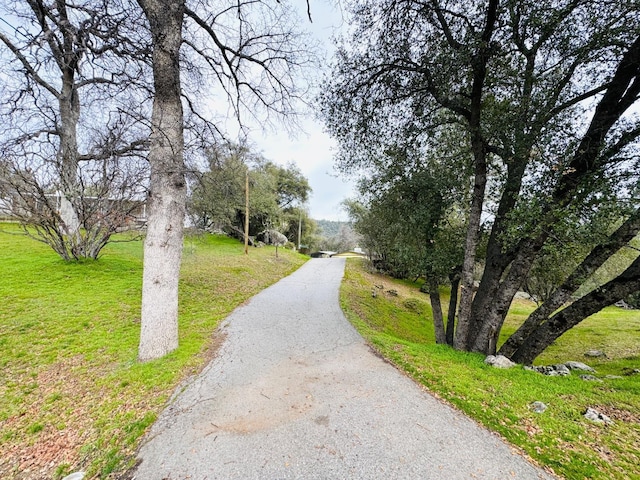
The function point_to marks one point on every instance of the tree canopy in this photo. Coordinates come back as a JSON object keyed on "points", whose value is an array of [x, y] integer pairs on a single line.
{"points": [[276, 193], [540, 96]]}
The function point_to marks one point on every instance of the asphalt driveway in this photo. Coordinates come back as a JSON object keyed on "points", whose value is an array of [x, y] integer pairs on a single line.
{"points": [[295, 393]]}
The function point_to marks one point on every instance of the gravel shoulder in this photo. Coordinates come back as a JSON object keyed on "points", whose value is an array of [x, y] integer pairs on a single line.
{"points": [[295, 393]]}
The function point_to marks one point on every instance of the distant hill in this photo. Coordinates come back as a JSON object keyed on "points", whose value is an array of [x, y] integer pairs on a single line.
{"points": [[330, 228], [337, 236]]}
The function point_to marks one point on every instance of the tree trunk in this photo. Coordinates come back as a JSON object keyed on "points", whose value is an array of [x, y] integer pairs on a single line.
{"points": [[246, 213], [454, 277], [485, 321], [471, 244], [491, 318], [479, 149], [167, 195], [69, 106], [67, 161], [624, 234], [545, 334], [436, 309]]}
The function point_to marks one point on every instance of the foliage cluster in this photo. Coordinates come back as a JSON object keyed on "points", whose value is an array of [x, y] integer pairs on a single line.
{"points": [[516, 118], [336, 236], [276, 195]]}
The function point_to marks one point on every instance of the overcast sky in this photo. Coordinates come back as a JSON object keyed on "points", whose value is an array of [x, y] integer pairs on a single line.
{"points": [[312, 149]]}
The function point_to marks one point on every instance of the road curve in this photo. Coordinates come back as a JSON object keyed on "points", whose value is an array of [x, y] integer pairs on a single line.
{"points": [[295, 393]]}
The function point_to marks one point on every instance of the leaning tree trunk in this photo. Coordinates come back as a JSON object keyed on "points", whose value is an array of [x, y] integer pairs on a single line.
{"points": [[167, 195], [624, 234], [543, 336]]}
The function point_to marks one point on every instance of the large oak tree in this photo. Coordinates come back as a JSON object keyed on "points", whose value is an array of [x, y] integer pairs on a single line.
{"points": [[542, 93]]}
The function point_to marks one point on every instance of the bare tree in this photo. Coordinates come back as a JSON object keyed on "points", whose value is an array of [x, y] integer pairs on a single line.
{"points": [[248, 52], [65, 136], [273, 237], [110, 201]]}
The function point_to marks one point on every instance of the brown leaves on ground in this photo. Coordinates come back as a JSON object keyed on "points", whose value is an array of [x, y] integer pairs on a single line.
{"points": [[51, 429], [57, 418], [52, 448], [530, 426], [62, 412]]}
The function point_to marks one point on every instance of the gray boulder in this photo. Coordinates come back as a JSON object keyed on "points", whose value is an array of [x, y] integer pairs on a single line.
{"points": [[553, 370], [579, 366], [538, 407], [272, 237], [594, 353], [623, 304], [590, 378], [597, 417], [499, 361]]}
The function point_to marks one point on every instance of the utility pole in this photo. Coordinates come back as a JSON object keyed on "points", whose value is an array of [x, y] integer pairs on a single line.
{"points": [[246, 212], [299, 227]]}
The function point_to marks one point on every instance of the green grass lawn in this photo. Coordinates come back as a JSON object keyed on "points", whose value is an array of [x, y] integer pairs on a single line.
{"points": [[72, 395], [400, 327]]}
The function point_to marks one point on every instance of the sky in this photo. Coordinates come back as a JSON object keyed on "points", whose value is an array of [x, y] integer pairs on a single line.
{"points": [[312, 149], [312, 152]]}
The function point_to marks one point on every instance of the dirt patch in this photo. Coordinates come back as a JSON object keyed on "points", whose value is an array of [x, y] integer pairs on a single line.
{"points": [[210, 352], [618, 414]]}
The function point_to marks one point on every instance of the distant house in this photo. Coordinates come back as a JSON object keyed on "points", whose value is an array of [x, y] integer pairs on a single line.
{"points": [[5, 208], [356, 252], [322, 254], [136, 210]]}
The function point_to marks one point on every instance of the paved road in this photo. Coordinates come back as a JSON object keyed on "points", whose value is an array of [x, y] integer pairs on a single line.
{"points": [[295, 393]]}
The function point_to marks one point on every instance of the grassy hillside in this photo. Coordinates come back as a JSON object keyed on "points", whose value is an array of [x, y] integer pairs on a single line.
{"points": [[72, 395], [398, 323]]}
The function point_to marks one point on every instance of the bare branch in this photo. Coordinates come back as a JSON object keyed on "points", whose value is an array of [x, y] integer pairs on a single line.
{"points": [[27, 66]]}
